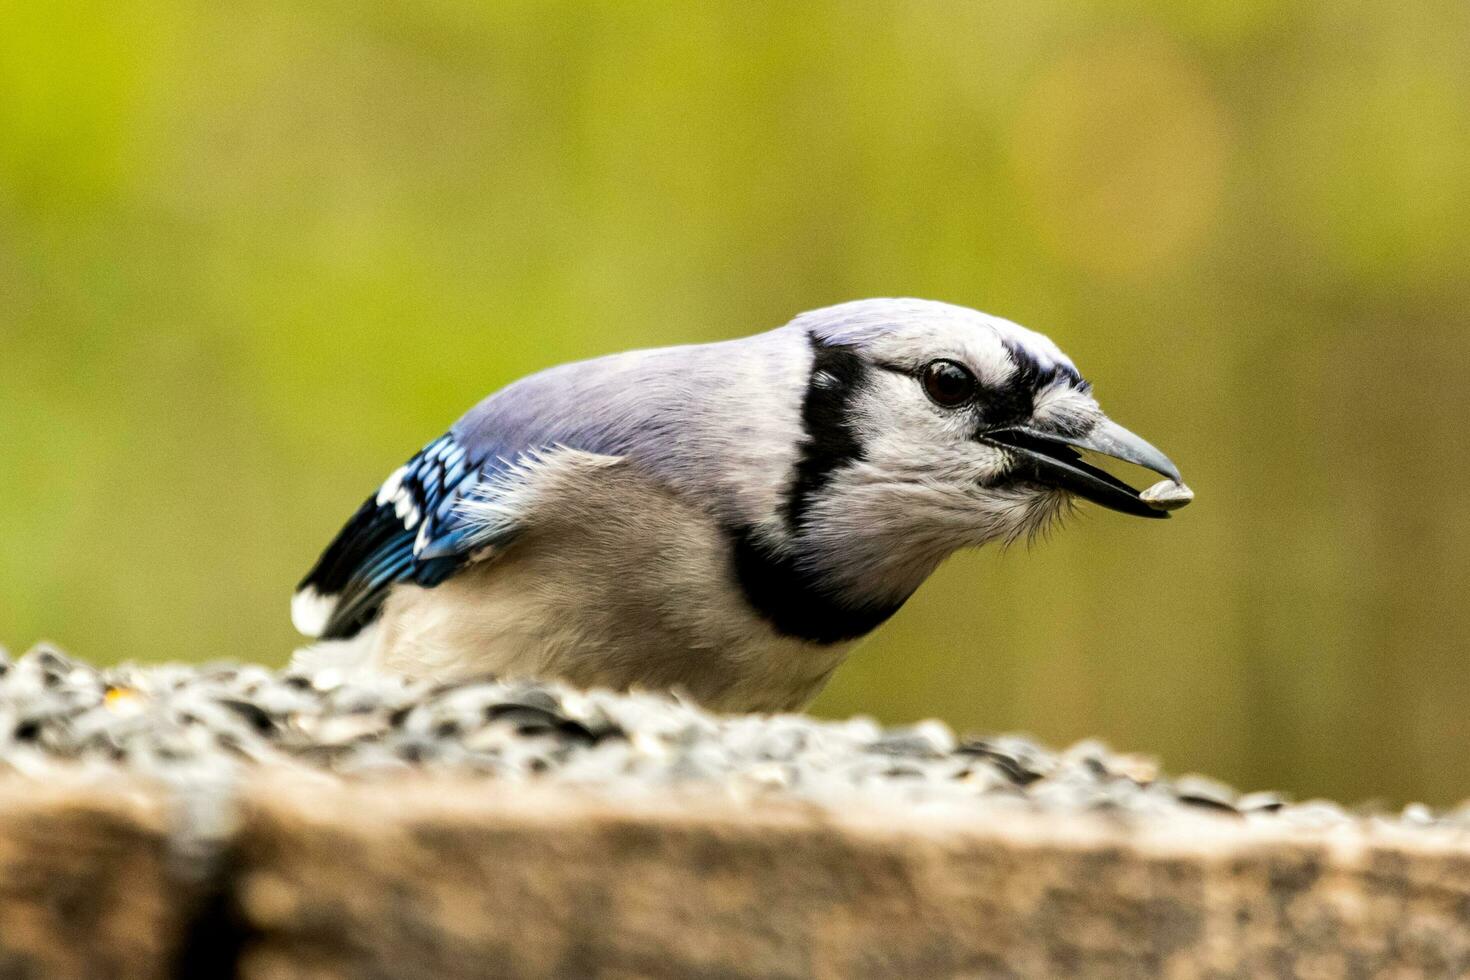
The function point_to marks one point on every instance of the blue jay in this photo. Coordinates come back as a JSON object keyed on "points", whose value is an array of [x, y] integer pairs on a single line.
{"points": [[726, 519]]}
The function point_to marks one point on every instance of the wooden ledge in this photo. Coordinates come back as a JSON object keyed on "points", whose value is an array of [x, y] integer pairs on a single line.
{"points": [[413, 877]]}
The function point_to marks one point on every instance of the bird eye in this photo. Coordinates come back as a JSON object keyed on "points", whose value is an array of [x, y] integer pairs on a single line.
{"points": [[948, 384]]}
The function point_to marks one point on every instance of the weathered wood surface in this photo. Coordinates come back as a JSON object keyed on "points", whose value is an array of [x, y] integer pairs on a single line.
{"points": [[415, 878], [87, 884], [435, 881]]}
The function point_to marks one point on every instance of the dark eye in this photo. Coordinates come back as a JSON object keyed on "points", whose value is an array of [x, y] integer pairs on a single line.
{"points": [[948, 384]]}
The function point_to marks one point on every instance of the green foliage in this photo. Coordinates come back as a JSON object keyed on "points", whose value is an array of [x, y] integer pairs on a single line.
{"points": [[252, 255]]}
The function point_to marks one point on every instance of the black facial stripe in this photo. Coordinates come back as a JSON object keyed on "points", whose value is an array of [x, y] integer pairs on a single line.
{"points": [[1031, 376], [830, 441], [789, 597], [1002, 405], [1016, 399]]}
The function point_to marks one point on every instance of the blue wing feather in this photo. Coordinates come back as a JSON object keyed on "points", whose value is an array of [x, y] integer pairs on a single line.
{"points": [[386, 542]]}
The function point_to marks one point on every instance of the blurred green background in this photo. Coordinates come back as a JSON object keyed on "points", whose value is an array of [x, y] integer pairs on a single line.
{"points": [[252, 255]]}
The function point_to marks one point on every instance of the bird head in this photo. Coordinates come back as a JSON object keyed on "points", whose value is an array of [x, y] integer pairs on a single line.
{"points": [[933, 427]]}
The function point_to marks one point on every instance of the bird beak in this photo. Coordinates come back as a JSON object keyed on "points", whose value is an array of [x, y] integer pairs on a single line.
{"points": [[1051, 459]]}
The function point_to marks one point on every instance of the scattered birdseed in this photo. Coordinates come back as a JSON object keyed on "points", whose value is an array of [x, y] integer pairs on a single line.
{"points": [[181, 724]]}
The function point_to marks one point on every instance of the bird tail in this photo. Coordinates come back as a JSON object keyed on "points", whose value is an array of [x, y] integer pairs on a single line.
{"points": [[349, 655]]}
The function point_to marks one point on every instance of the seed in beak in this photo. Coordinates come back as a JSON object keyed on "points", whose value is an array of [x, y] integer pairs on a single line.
{"points": [[1167, 495]]}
